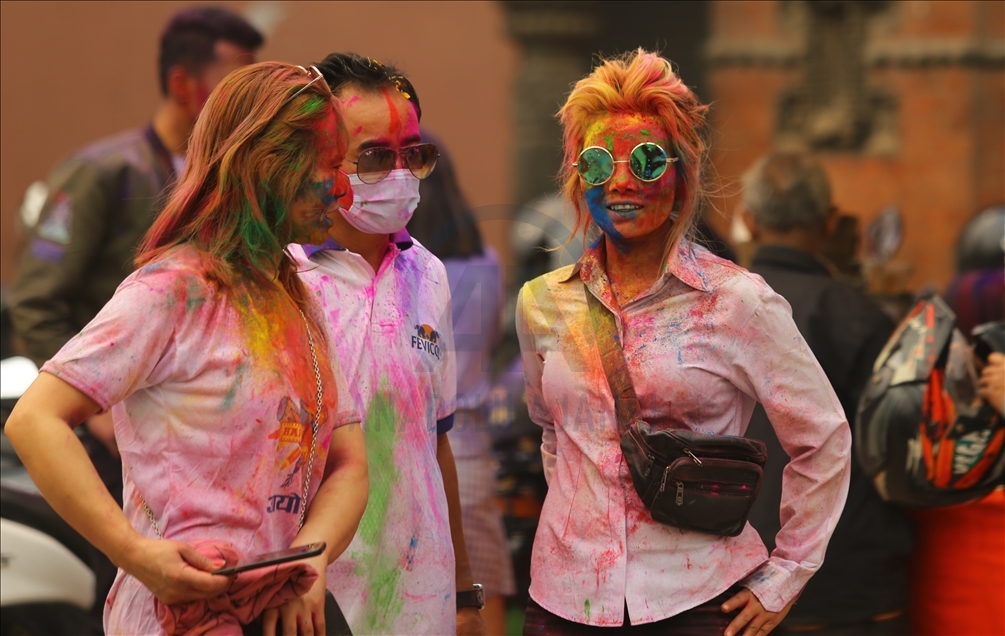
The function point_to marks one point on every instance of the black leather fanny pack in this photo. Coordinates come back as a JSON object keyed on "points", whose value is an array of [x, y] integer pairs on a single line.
{"points": [[705, 483]]}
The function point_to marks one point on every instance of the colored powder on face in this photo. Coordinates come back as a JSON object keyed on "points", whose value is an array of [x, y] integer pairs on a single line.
{"points": [[586, 608], [644, 132], [395, 126], [596, 201], [380, 432], [325, 191]]}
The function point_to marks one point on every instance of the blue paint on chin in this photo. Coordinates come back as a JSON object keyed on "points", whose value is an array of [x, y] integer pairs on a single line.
{"points": [[597, 204], [325, 191]]}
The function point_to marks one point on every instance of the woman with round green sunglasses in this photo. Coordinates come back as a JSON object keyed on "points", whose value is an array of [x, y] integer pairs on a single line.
{"points": [[700, 343], [648, 162]]}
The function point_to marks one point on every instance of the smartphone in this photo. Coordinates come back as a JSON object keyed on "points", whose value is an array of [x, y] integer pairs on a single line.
{"points": [[273, 558]]}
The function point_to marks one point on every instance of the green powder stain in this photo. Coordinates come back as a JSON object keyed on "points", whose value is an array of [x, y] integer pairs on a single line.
{"points": [[609, 142], [380, 431], [645, 132], [194, 297], [384, 602], [228, 398], [586, 608], [313, 104]]}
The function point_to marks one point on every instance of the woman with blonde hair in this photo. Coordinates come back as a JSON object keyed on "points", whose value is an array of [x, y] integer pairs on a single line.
{"points": [[649, 318], [225, 404]]}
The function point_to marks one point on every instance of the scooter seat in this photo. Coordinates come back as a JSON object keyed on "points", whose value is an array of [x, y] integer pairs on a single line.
{"points": [[32, 510]]}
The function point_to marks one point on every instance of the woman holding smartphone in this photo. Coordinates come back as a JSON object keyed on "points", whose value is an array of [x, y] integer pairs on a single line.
{"points": [[225, 402], [702, 341]]}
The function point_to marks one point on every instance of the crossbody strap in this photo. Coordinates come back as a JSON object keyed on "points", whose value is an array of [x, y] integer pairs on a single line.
{"points": [[605, 328]]}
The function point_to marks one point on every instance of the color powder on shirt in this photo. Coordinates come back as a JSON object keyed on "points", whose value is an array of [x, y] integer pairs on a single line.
{"points": [[383, 602]]}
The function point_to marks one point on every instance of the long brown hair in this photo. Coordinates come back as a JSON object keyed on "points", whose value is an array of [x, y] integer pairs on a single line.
{"points": [[252, 154]]}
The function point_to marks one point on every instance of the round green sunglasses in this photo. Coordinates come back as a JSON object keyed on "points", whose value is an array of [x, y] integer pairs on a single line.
{"points": [[648, 162]]}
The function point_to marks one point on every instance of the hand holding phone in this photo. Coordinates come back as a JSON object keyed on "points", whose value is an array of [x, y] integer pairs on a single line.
{"points": [[273, 558]]}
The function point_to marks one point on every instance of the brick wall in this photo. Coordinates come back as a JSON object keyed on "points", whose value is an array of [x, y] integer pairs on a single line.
{"points": [[937, 154]]}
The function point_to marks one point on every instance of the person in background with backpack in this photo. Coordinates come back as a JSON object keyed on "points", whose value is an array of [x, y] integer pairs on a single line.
{"points": [[862, 586], [959, 562]]}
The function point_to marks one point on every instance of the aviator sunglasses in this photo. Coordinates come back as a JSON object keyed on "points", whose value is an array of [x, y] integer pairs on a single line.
{"points": [[374, 164], [648, 162]]}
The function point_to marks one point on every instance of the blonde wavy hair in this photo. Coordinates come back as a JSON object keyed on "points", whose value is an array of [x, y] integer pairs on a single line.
{"points": [[639, 82]]}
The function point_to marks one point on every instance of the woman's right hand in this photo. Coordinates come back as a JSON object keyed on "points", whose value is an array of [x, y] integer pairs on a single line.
{"points": [[174, 571]]}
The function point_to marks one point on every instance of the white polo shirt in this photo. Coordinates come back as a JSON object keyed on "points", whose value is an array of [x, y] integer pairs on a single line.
{"points": [[391, 333]]}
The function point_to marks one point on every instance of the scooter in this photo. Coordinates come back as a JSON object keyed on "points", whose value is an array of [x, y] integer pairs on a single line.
{"points": [[46, 584]]}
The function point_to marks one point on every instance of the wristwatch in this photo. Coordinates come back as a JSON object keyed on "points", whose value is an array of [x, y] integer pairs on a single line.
{"points": [[474, 597]]}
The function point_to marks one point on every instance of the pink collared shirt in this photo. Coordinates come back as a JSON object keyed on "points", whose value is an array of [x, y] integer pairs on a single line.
{"points": [[703, 346]]}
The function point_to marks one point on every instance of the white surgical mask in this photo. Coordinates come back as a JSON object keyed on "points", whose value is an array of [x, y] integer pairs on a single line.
{"points": [[384, 207]]}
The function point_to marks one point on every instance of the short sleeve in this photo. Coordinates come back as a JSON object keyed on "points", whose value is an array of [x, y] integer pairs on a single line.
{"points": [[129, 342], [446, 402], [347, 412]]}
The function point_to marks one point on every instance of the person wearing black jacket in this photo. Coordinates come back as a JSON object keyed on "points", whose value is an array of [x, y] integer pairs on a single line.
{"points": [[862, 586]]}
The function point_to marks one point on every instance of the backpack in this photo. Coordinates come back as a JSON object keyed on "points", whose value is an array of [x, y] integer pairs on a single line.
{"points": [[922, 434]]}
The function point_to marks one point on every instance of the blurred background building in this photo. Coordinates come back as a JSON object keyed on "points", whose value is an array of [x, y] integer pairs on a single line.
{"points": [[904, 101]]}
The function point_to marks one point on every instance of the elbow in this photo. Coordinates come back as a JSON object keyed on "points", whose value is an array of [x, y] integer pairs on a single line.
{"points": [[361, 491], [21, 426], [17, 425]]}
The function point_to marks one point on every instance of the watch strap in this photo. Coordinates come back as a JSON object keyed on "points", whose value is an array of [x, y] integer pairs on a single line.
{"points": [[474, 597]]}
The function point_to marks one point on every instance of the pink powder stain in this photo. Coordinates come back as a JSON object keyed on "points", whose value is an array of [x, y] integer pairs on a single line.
{"points": [[607, 560]]}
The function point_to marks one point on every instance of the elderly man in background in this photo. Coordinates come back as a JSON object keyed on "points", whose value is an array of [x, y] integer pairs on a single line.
{"points": [[101, 201], [862, 586]]}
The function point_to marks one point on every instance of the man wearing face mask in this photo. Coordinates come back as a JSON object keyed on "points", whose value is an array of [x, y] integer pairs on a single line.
{"points": [[386, 302]]}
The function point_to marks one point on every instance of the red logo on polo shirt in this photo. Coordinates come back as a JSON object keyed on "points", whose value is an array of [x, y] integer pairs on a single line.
{"points": [[426, 339]]}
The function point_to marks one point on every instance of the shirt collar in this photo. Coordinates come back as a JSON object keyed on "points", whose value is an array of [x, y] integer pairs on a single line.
{"points": [[401, 238], [681, 264]]}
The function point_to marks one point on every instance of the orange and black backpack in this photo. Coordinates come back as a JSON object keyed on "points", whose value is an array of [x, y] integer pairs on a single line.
{"points": [[922, 434]]}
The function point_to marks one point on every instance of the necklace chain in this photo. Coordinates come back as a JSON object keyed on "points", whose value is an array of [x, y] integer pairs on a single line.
{"points": [[315, 425]]}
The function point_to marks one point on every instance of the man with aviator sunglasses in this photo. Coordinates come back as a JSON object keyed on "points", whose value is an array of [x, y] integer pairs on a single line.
{"points": [[386, 303]]}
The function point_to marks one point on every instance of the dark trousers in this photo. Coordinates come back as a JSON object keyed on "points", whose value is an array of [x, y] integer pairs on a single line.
{"points": [[896, 626], [704, 620]]}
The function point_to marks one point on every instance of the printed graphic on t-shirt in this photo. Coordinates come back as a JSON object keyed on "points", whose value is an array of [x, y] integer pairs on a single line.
{"points": [[426, 339], [294, 429]]}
